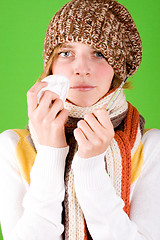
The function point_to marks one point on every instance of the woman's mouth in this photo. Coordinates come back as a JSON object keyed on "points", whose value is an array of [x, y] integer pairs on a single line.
{"points": [[82, 87]]}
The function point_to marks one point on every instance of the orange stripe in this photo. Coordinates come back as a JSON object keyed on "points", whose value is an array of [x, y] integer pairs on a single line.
{"points": [[131, 124], [125, 151]]}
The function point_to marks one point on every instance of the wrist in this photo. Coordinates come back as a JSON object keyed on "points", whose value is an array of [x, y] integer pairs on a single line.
{"points": [[49, 166], [90, 173], [90, 154]]}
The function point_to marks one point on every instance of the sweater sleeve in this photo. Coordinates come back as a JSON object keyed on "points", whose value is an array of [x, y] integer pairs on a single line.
{"points": [[103, 209], [31, 212]]}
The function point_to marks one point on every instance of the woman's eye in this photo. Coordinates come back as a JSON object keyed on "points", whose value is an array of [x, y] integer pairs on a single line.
{"points": [[65, 54], [99, 54]]}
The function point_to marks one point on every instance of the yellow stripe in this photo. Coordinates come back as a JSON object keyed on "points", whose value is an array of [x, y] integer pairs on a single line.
{"points": [[137, 163], [146, 130], [25, 154]]}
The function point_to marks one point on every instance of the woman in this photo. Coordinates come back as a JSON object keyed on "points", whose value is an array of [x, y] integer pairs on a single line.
{"points": [[81, 172]]}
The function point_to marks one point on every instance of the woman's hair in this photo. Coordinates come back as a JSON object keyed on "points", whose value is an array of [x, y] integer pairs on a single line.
{"points": [[48, 70]]}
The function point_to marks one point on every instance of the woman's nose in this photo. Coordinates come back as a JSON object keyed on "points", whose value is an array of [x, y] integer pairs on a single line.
{"points": [[82, 66]]}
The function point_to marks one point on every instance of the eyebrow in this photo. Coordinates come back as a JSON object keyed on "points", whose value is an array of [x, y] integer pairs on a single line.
{"points": [[66, 46]]}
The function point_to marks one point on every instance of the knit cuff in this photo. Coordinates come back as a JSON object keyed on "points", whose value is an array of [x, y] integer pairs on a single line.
{"points": [[90, 173], [49, 165]]}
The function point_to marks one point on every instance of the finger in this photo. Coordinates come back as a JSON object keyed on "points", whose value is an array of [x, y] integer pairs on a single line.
{"points": [[37, 87], [103, 117], [55, 109], [91, 120], [48, 96], [32, 96], [96, 123], [108, 130], [86, 129], [62, 117], [80, 137], [48, 102]]}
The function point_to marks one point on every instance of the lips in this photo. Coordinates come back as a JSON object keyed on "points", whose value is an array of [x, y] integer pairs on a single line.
{"points": [[82, 87]]}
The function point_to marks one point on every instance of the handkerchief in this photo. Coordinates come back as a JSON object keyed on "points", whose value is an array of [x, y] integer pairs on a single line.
{"points": [[56, 83]]}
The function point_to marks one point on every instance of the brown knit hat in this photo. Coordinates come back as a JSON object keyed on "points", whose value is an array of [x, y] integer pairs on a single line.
{"points": [[104, 24]]}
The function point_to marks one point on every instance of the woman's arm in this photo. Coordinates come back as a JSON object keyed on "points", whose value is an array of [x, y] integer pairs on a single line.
{"points": [[38, 210], [31, 212], [103, 209]]}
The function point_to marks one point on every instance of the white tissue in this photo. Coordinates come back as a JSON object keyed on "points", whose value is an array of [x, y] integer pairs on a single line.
{"points": [[56, 83]]}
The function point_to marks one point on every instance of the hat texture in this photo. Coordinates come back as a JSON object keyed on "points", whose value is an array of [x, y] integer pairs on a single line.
{"points": [[105, 25]]}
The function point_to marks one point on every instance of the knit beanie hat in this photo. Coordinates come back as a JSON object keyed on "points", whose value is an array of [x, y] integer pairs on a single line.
{"points": [[105, 25]]}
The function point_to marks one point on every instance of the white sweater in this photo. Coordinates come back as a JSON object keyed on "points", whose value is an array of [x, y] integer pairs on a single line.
{"points": [[34, 212]]}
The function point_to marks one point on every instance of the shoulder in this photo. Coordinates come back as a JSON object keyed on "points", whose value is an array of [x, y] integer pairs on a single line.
{"points": [[154, 132], [8, 138], [8, 144], [12, 136], [151, 139], [151, 147]]}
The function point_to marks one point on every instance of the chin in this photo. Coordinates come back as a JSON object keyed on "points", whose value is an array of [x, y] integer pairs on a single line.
{"points": [[83, 99], [82, 103]]}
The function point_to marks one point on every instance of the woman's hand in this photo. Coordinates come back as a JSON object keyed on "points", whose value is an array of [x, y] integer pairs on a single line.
{"points": [[94, 133], [48, 117]]}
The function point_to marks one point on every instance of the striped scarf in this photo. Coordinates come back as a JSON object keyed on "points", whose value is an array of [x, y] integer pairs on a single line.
{"points": [[128, 126]]}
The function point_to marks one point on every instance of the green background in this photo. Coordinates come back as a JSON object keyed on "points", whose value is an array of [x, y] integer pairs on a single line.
{"points": [[23, 25]]}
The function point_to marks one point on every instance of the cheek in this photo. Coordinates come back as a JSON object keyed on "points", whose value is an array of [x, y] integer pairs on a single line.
{"points": [[105, 72], [56, 68], [60, 69]]}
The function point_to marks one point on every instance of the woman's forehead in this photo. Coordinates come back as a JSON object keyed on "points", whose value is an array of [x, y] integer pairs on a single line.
{"points": [[75, 44]]}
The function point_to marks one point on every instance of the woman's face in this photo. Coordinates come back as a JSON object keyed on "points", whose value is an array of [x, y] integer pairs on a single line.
{"points": [[89, 74]]}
